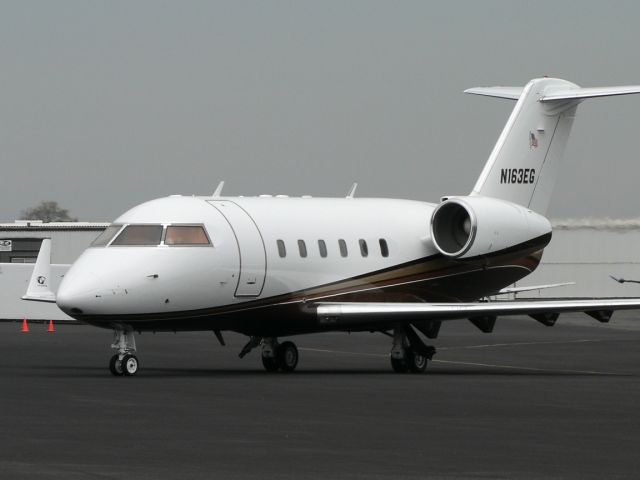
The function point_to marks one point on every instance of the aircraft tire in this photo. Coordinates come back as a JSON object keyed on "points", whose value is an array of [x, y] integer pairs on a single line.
{"points": [[287, 355], [270, 364], [115, 366], [416, 362], [130, 365], [399, 365]]}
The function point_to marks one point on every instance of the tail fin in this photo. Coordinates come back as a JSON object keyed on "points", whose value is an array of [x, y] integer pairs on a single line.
{"points": [[39, 289], [523, 165]]}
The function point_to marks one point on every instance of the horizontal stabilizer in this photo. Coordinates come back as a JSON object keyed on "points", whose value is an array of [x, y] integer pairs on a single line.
{"points": [[552, 93], [511, 93], [39, 289]]}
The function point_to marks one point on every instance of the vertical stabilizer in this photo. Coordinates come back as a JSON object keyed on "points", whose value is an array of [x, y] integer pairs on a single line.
{"points": [[523, 165], [39, 288]]}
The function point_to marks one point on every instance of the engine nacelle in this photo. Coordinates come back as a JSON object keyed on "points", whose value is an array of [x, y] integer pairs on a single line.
{"points": [[465, 227]]}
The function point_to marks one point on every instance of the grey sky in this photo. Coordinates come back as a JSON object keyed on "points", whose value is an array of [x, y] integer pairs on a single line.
{"points": [[107, 104]]}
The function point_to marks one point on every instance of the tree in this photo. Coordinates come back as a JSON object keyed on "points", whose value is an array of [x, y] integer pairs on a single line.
{"points": [[47, 212]]}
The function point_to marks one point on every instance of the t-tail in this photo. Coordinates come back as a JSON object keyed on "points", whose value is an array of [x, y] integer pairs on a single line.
{"points": [[523, 165], [505, 210]]}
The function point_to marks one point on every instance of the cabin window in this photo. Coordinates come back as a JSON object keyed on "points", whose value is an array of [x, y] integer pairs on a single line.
{"points": [[343, 248], [139, 235], [364, 250], [282, 250], [303, 248], [322, 246], [106, 236], [186, 235], [384, 248]]}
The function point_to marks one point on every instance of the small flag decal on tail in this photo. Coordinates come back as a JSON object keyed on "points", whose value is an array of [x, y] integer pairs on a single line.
{"points": [[533, 141]]}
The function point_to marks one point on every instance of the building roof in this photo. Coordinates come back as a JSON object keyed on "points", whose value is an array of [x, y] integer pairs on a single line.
{"points": [[558, 224], [596, 223], [35, 225]]}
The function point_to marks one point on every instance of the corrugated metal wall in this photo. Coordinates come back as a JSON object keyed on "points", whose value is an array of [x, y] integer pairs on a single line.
{"points": [[66, 245], [588, 255]]}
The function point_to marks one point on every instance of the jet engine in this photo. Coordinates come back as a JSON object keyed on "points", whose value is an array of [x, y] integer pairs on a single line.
{"points": [[466, 227]]}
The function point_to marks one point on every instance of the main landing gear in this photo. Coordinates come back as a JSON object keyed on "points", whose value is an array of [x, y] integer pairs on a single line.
{"points": [[124, 362], [409, 353], [275, 356]]}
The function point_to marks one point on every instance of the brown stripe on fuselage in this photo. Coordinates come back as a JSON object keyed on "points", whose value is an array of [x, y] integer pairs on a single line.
{"points": [[430, 279]]}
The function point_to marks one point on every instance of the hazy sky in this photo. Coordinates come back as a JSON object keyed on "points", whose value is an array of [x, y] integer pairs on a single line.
{"points": [[105, 104]]}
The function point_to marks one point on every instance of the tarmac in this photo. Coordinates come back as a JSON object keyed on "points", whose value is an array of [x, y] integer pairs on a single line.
{"points": [[527, 401]]}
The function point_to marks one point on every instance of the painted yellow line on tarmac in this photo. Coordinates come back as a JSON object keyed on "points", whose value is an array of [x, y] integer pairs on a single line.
{"points": [[485, 365], [531, 369], [518, 344], [464, 347], [341, 352]]}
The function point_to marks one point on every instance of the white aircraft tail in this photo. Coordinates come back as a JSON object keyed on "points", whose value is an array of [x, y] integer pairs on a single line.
{"points": [[39, 289], [523, 165]]}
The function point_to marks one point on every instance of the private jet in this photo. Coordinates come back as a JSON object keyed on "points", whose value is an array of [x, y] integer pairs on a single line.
{"points": [[271, 267]]}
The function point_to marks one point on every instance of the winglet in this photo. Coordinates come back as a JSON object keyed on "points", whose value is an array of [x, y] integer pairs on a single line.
{"points": [[218, 190], [39, 289], [352, 190]]}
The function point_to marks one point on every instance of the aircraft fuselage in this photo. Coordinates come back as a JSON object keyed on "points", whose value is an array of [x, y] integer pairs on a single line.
{"points": [[266, 257]]}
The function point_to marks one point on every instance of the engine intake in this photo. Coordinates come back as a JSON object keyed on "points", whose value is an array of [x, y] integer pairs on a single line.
{"points": [[464, 227], [453, 228]]}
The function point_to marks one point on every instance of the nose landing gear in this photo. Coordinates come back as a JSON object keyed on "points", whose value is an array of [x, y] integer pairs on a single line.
{"points": [[124, 362]]}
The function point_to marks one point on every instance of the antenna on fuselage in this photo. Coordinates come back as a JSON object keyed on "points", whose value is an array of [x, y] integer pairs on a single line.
{"points": [[218, 189], [352, 190]]}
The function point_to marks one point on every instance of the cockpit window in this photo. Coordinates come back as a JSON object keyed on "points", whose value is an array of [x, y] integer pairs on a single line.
{"points": [[139, 235], [106, 236], [186, 235]]}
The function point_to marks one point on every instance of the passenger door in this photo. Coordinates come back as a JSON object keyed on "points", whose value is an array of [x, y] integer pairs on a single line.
{"points": [[253, 257]]}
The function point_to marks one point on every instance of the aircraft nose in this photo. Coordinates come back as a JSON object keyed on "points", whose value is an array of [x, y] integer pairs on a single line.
{"points": [[74, 296]]}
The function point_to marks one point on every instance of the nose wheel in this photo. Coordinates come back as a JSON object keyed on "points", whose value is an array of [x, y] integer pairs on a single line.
{"points": [[127, 365], [115, 366], [124, 362]]}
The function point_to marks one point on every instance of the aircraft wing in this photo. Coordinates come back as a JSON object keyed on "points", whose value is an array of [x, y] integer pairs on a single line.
{"points": [[545, 311]]}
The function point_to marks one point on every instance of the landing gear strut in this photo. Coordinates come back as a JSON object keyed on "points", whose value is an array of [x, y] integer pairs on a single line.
{"points": [[408, 353], [124, 362], [275, 356]]}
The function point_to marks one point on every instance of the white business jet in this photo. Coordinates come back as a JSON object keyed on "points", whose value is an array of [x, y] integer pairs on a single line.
{"points": [[273, 266]]}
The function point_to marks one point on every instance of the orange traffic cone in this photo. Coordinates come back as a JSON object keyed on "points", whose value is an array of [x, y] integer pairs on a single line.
{"points": [[25, 327], [50, 329]]}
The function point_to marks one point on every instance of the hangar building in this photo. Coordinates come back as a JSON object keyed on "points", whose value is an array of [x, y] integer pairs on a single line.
{"points": [[19, 245], [589, 252]]}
